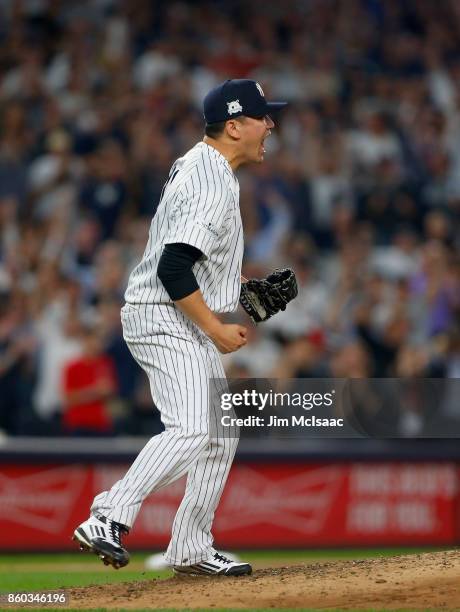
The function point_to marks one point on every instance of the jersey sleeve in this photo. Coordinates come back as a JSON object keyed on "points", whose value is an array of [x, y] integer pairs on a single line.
{"points": [[198, 217]]}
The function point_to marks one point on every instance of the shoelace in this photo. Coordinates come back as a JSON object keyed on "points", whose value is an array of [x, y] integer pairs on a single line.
{"points": [[116, 530], [222, 558]]}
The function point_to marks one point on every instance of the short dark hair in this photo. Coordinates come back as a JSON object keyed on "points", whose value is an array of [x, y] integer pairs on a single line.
{"points": [[214, 130]]}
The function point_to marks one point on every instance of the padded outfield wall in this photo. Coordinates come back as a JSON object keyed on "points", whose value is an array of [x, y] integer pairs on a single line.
{"points": [[327, 493]]}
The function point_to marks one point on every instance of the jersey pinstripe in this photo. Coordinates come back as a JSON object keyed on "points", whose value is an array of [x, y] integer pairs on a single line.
{"points": [[199, 206]]}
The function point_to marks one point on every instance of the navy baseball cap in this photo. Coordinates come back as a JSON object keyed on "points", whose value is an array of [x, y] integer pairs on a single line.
{"points": [[236, 97]]}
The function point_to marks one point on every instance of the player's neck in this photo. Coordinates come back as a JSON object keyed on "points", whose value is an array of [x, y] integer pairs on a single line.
{"points": [[226, 150]]}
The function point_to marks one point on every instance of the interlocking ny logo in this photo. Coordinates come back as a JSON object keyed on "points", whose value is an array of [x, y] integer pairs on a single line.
{"points": [[234, 107], [300, 502], [261, 91]]}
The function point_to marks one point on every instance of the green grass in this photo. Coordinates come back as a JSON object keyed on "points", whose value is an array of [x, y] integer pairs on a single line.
{"points": [[50, 581]]}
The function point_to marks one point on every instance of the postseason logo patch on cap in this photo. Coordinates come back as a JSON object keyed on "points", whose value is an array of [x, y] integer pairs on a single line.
{"points": [[234, 107], [236, 97]]}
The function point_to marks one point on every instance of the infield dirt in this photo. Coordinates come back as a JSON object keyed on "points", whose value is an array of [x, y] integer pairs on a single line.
{"points": [[409, 582]]}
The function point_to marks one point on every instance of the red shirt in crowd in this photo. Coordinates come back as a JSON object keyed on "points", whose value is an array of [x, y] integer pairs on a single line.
{"points": [[96, 376]]}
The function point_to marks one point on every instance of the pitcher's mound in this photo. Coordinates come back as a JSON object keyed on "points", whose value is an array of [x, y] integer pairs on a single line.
{"points": [[409, 582]]}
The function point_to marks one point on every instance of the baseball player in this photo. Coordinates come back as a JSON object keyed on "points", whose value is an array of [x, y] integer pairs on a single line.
{"points": [[190, 270]]}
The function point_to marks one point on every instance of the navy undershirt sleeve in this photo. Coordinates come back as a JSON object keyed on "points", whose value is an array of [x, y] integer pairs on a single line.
{"points": [[175, 269]]}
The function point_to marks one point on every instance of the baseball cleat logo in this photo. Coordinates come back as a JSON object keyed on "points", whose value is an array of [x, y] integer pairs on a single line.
{"points": [[234, 107]]}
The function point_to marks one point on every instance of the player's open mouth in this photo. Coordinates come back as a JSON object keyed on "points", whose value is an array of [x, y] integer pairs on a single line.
{"points": [[262, 144]]}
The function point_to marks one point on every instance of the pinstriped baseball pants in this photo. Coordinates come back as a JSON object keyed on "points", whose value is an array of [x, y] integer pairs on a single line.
{"points": [[180, 362]]}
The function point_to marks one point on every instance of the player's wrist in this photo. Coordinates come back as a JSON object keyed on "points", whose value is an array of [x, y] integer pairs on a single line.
{"points": [[213, 327]]}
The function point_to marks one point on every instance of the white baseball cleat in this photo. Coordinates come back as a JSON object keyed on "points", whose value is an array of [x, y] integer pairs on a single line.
{"points": [[103, 537], [216, 564], [157, 561]]}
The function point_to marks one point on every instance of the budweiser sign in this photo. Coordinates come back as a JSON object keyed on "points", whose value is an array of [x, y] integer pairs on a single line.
{"points": [[263, 505]]}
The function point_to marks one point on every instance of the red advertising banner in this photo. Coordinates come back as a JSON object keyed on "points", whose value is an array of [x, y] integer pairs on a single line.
{"points": [[263, 505]]}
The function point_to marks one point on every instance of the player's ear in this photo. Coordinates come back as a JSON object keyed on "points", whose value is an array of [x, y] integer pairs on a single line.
{"points": [[233, 128]]}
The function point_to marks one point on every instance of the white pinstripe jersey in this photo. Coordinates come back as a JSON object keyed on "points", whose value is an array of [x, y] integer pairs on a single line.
{"points": [[199, 206]]}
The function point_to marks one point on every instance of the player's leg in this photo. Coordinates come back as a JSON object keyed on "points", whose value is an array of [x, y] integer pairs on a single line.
{"points": [[178, 374], [191, 541], [191, 534], [178, 378]]}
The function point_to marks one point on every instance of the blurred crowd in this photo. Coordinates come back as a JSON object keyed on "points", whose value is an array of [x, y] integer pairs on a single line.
{"points": [[359, 193]]}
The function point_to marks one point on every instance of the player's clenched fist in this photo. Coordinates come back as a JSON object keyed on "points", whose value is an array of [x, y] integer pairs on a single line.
{"points": [[229, 337]]}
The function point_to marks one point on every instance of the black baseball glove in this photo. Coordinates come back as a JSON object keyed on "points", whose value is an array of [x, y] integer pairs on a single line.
{"points": [[262, 298]]}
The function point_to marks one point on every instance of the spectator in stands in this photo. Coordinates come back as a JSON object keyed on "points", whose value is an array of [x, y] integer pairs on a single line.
{"points": [[54, 309], [89, 385], [103, 192], [17, 354], [361, 179]]}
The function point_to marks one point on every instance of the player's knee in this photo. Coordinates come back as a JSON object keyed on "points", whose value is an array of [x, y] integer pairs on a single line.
{"points": [[225, 446], [198, 440]]}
